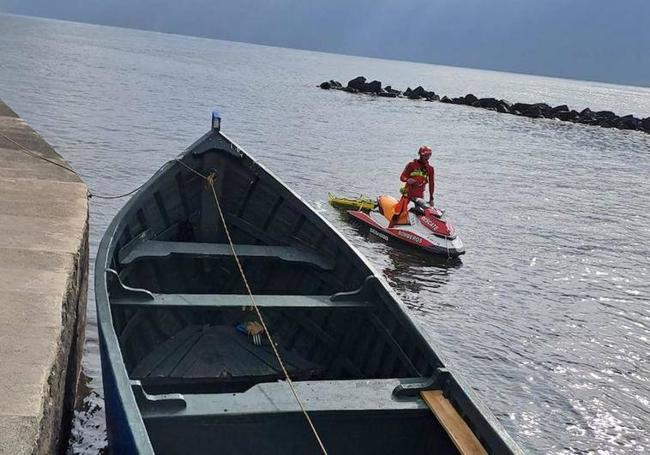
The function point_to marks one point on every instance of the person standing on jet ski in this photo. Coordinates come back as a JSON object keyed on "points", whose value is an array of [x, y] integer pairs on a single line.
{"points": [[417, 174]]}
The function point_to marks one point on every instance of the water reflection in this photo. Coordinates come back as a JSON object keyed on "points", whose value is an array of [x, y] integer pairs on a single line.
{"points": [[413, 270]]}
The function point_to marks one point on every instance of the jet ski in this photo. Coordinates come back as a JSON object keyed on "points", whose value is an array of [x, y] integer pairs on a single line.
{"points": [[423, 226]]}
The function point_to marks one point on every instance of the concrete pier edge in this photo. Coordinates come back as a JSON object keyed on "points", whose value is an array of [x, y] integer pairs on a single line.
{"points": [[43, 290]]}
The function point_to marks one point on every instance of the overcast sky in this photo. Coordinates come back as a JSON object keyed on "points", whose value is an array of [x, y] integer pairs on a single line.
{"points": [[603, 40]]}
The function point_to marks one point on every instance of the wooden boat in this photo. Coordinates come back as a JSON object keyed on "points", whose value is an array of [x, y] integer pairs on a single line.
{"points": [[180, 376]]}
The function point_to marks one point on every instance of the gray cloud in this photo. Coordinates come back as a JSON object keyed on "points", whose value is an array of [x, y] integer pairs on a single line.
{"points": [[584, 39]]}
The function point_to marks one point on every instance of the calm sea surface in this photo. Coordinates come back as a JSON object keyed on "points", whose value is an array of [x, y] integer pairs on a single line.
{"points": [[547, 317]]}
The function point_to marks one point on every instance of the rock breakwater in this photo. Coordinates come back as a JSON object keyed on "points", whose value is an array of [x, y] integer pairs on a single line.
{"points": [[604, 119]]}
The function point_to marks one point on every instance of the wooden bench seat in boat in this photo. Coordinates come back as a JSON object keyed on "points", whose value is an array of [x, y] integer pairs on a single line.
{"points": [[207, 301], [274, 397], [348, 414], [141, 248], [122, 295]]}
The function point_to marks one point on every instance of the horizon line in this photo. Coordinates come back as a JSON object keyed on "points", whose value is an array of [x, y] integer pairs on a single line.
{"points": [[253, 43]]}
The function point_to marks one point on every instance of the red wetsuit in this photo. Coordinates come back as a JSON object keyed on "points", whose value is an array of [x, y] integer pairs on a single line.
{"points": [[422, 173]]}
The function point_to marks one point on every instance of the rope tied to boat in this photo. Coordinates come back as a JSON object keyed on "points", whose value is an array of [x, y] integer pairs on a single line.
{"points": [[210, 182], [35, 154], [210, 179]]}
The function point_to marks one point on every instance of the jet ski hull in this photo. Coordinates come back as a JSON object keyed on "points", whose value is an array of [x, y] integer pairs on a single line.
{"points": [[413, 234]]}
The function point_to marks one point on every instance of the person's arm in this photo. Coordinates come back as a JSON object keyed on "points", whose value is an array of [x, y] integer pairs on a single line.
{"points": [[406, 173], [432, 183]]}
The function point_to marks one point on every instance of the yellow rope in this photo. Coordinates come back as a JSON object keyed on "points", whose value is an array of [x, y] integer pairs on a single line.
{"points": [[191, 169], [210, 179], [36, 155]]}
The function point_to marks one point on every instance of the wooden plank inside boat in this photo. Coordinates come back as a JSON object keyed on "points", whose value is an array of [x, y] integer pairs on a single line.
{"points": [[458, 431], [239, 301], [142, 248]]}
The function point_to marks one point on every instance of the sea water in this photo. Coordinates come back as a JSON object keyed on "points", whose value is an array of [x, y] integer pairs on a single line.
{"points": [[546, 316]]}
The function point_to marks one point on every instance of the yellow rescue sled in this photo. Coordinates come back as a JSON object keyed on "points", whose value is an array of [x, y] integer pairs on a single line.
{"points": [[362, 202]]}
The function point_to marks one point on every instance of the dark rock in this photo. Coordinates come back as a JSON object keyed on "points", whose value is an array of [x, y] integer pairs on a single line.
{"points": [[419, 91], [629, 122], [489, 103], [531, 110], [331, 84], [606, 119], [538, 110], [544, 110], [587, 120], [534, 111], [575, 115], [470, 99], [373, 87], [587, 117], [645, 124], [567, 116], [358, 83], [520, 108], [505, 107], [557, 109], [609, 115]]}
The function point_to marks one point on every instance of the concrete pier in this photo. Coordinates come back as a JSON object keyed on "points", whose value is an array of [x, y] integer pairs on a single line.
{"points": [[43, 284]]}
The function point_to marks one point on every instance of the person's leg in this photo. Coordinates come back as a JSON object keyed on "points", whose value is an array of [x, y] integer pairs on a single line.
{"points": [[400, 208]]}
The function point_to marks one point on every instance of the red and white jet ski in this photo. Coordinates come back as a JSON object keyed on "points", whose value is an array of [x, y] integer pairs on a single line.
{"points": [[424, 227]]}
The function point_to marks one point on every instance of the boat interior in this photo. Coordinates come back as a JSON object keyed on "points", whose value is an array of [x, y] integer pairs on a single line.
{"points": [[180, 307]]}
